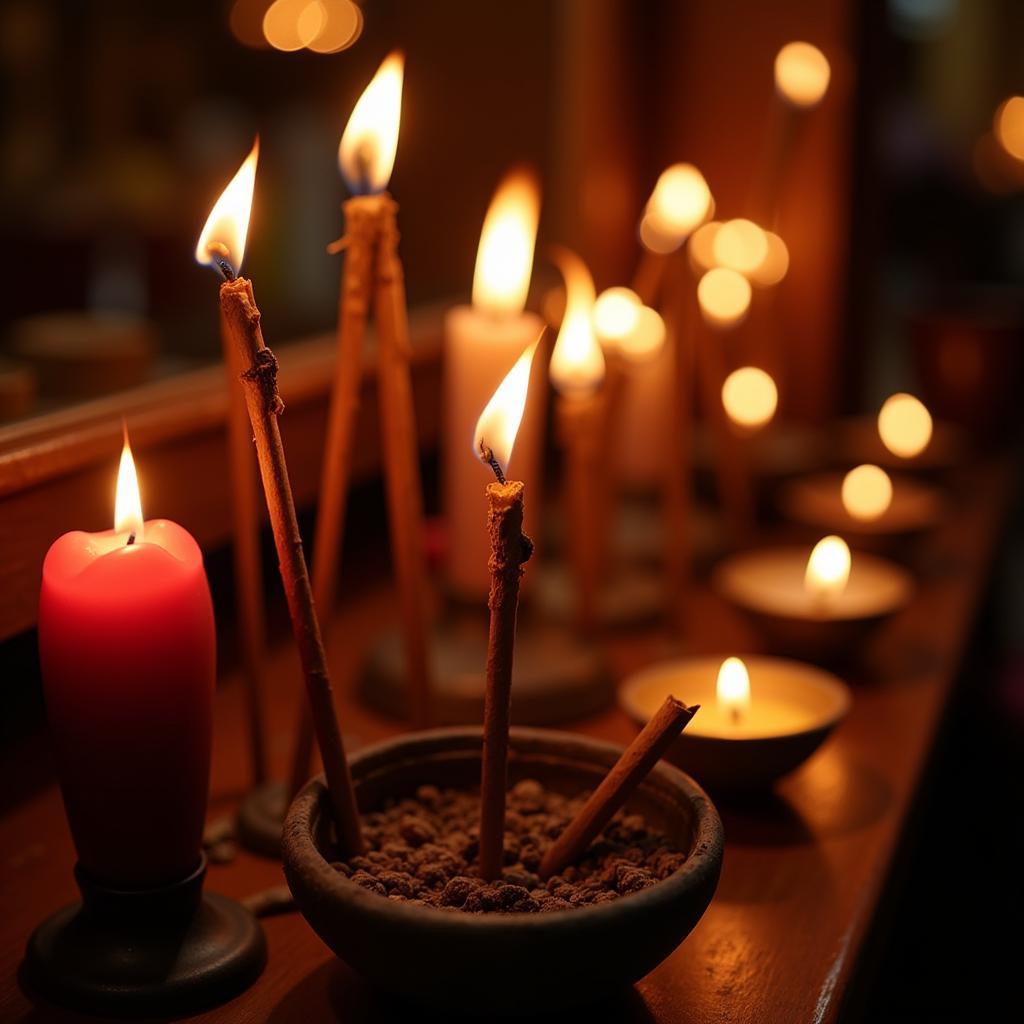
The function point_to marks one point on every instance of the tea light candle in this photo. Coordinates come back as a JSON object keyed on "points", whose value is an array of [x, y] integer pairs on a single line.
{"points": [[866, 501], [127, 647], [817, 604], [760, 717]]}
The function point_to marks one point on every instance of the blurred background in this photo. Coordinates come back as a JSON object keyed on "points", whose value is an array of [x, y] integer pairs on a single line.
{"points": [[903, 212]]}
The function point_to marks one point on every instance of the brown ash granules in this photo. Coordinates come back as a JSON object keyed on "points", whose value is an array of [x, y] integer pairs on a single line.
{"points": [[423, 851]]}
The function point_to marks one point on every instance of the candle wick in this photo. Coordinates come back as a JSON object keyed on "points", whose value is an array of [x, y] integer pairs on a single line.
{"points": [[225, 268], [734, 714], [131, 538], [219, 252], [487, 456]]}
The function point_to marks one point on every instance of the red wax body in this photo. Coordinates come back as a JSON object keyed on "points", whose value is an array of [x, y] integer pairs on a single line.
{"points": [[128, 651]]}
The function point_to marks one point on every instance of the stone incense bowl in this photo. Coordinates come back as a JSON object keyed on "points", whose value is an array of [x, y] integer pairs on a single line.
{"points": [[502, 963]]}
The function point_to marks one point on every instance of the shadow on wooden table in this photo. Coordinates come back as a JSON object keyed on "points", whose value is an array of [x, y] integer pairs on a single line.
{"points": [[334, 988]]}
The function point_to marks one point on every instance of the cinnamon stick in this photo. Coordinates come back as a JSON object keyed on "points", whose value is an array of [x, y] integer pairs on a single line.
{"points": [[618, 785], [241, 319], [362, 219], [401, 459], [247, 562], [580, 424], [510, 549]]}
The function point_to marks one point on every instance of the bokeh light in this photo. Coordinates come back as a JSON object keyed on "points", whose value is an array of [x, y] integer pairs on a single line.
{"points": [[904, 425], [741, 245], [1008, 126], [646, 338], [866, 492], [616, 313], [775, 265], [681, 200], [801, 74], [724, 296], [701, 247], [750, 397]]}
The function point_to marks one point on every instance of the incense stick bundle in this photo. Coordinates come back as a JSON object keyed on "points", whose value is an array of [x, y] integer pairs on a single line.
{"points": [[618, 785], [241, 319]]}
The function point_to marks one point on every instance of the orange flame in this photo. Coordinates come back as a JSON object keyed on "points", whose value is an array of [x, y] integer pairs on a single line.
{"points": [[732, 689], [505, 257], [904, 425], [828, 568], [750, 397], [866, 492], [127, 502], [498, 425], [681, 201], [802, 74], [368, 145], [222, 240], [577, 363]]}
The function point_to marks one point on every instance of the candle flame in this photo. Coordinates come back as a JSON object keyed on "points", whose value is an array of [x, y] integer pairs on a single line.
{"points": [[750, 397], [577, 363], [127, 502], [366, 154], [866, 492], [904, 425], [701, 247], [1008, 126], [724, 297], [801, 74], [504, 260], [828, 568], [498, 425], [733, 687], [681, 200], [222, 240]]}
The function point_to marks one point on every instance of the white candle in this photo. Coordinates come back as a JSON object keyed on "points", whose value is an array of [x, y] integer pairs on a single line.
{"points": [[482, 342]]}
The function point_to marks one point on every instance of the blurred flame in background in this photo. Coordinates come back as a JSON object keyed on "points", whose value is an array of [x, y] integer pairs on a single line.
{"points": [[577, 362], [1008, 126], [866, 492], [323, 26], [681, 201], [904, 425], [740, 245], [802, 74], [750, 397], [723, 296], [828, 568]]}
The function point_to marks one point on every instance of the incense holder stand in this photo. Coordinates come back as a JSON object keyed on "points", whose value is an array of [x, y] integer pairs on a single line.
{"points": [[172, 950], [557, 677], [461, 961], [814, 702]]}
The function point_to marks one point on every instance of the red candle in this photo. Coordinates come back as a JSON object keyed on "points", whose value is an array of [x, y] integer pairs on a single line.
{"points": [[127, 647]]}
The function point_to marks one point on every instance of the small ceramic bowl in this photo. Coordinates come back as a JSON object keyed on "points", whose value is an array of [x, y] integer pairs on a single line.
{"points": [[507, 963], [768, 585], [808, 703]]}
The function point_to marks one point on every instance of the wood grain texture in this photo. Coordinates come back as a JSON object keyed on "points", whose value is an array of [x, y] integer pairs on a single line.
{"points": [[803, 869]]}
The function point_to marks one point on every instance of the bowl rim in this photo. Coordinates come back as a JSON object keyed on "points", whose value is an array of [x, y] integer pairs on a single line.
{"points": [[823, 679], [701, 867], [721, 584]]}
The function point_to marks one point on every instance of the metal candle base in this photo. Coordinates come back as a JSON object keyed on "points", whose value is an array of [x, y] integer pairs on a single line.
{"points": [[161, 952]]}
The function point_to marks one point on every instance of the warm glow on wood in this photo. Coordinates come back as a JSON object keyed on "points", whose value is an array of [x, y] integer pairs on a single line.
{"points": [[498, 425], [801, 74], [904, 425], [366, 154], [222, 240], [504, 259], [733, 688], [577, 363], [866, 492], [724, 297], [750, 397], [828, 568], [127, 501]]}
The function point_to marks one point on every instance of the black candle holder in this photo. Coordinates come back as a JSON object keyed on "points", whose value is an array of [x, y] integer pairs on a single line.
{"points": [[164, 951]]}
